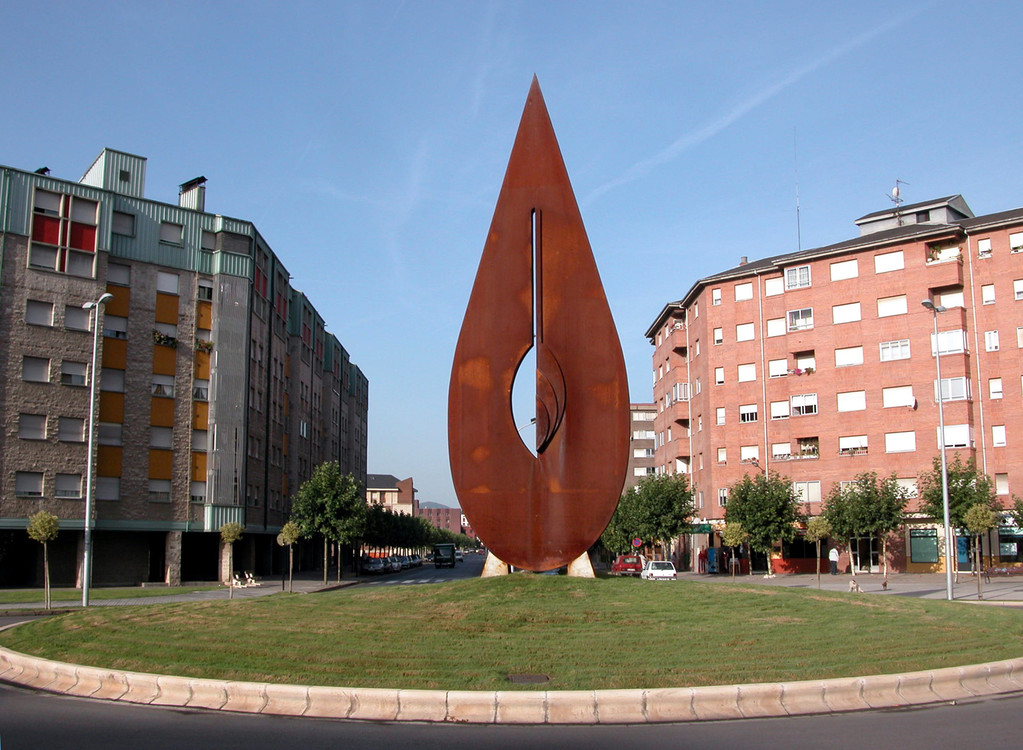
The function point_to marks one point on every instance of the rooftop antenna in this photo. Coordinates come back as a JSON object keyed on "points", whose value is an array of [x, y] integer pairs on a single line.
{"points": [[896, 198]]}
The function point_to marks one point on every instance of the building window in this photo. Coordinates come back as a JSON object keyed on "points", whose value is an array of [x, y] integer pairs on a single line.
{"points": [[953, 389], [893, 350], [720, 415], [159, 490], [32, 426], [68, 486], [171, 233], [35, 369], [115, 327], [886, 262], [1001, 484], [161, 437], [199, 440], [808, 447], [1016, 242], [899, 442], [743, 291], [852, 444], [73, 373], [38, 313], [722, 496], [744, 332], [808, 492], [71, 430], [806, 362], [987, 294], [991, 341], [204, 291], [952, 298], [777, 368], [852, 401], [797, 277], [719, 335], [123, 224], [994, 387], [166, 282], [849, 356], [957, 436], [888, 306], [774, 286], [923, 545], [1017, 289], [749, 453], [163, 385], [781, 451], [76, 318], [845, 269], [775, 327], [984, 248], [949, 342], [800, 320], [208, 240], [941, 252], [719, 375], [847, 313], [201, 390], [998, 435], [118, 273], [111, 381], [715, 296], [722, 455], [748, 413], [28, 483], [779, 409], [109, 433], [803, 404], [899, 395], [63, 234], [108, 488], [747, 373]]}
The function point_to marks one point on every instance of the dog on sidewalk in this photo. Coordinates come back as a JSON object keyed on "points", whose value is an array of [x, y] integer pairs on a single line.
{"points": [[853, 586]]}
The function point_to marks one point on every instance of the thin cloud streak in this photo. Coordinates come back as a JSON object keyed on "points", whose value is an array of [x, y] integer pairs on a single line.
{"points": [[743, 108]]}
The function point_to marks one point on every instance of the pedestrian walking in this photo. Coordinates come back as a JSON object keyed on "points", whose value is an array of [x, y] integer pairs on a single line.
{"points": [[833, 559]]}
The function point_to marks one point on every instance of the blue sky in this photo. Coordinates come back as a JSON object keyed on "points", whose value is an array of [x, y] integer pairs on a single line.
{"points": [[367, 141]]}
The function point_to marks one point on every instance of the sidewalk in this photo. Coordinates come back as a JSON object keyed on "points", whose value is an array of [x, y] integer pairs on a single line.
{"points": [[1000, 589], [305, 584]]}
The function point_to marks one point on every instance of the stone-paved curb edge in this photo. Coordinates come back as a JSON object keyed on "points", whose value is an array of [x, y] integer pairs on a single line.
{"points": [[513, 707]]}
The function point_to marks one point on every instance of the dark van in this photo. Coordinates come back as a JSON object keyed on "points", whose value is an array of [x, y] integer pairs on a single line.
{"points": [[444, 555]]}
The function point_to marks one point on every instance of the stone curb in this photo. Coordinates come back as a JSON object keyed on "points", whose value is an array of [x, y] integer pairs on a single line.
{"points": [[712, 703]]}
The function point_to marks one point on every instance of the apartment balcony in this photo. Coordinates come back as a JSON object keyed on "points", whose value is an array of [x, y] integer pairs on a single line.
{"points": [[215, 516], [943, 272], [678, 339], [678, 412]]}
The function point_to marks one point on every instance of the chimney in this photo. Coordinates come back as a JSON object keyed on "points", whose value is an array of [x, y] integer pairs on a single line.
{"points": [[743, 260], [192, 194]]}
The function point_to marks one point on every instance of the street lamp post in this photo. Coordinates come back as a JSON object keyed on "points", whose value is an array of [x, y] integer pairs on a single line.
{"points": [[90, 459], [949, 535]]}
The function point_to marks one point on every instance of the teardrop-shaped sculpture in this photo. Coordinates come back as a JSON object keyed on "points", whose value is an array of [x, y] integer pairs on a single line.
{"points": [[538, 285]]}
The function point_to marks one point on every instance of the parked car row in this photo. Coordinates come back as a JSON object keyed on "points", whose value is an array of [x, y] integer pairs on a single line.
{"points": [[389, 564]]}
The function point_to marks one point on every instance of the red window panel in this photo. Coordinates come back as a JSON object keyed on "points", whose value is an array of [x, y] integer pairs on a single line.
{"points": [[83, 237], [46, 229]]}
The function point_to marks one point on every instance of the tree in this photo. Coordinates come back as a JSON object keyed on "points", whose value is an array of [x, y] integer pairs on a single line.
{"points": [[733, 535], [230, 533], [767, 507], [290, 534], [331, 504], [866, 506], [43, 528], [967, 486], [817, 530], [979, 520], [657, 510]]}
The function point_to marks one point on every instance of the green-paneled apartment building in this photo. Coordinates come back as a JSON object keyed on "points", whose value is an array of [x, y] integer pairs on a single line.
{"points": [[219, 388]]}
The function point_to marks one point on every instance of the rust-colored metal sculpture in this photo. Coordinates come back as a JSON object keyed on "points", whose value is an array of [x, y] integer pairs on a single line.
{"points": [[537, 285]]}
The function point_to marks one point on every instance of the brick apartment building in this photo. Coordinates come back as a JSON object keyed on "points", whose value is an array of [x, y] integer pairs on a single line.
{"points": [[220, 389], [819, 365], [641, 444], [397, 495], [443, 517]]}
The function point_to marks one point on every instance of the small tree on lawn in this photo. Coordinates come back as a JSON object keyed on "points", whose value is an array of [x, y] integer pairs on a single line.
{"points": [[290, 534], [869, 507], [817, 530], [967, 486], [230, 533], [657, 509], [767, 507], [734, 536], [331, 504], [43, 527], [978, 521]]}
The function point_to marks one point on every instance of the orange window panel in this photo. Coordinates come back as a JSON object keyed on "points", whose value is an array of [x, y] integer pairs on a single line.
{"points": [[165, 360], [161, 463], [202, 365], [200, 415], [204, 314], [108, 461], [284, 485], [111, 407], [119, 304], [167, 308], [198, 467], [161, 412], [115, 354]]}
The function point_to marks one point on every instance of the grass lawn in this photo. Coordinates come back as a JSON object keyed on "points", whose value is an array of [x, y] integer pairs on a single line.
{"points": [[27, 596], [584, 634]]}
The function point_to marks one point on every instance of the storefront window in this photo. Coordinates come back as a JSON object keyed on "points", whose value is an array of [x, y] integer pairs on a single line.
{"points": [[923, 545]]}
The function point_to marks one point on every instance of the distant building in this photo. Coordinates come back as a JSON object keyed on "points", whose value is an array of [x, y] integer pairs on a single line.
{"points": [[398, 496], [641, 444], [820, 365], [219, 387], [443, 517]]}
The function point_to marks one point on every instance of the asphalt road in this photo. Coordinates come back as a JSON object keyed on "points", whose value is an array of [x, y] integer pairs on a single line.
{"points": [[38, 720]]}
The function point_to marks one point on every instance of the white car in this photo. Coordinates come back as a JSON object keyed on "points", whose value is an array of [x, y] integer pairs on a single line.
{"points": [[658, 570]]}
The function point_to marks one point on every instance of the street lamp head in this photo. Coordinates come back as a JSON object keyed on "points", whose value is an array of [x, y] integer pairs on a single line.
{"points": [[101, 301], [933, 307]]}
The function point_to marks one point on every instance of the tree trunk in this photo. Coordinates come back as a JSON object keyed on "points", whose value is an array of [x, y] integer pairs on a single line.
{"points": [[852, 566], [884, 555], [46, 577], [818, 563], [326, 563], [980, 575], [339, 562], [291, 568], [230, 576]]}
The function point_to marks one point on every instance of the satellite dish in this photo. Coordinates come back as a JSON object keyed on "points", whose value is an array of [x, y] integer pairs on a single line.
{"points": [[895, 192]]}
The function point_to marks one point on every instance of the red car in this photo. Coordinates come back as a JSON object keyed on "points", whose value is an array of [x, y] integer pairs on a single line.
{"points": [[627, 565]]}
